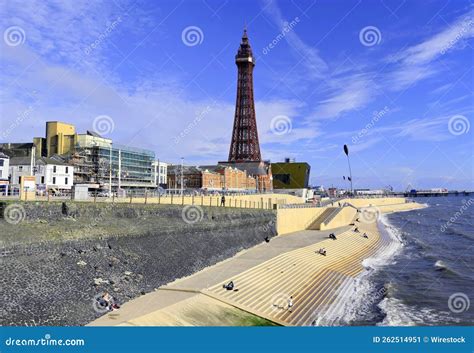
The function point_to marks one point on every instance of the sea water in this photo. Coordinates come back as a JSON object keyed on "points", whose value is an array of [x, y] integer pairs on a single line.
{"points": [[427, 276]]}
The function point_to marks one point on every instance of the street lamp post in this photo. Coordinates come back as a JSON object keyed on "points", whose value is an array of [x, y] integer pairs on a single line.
{"points": [[182, 176], [346, 151], [110, 172]]}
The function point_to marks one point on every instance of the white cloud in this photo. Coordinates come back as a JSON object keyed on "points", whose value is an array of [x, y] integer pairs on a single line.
{"points": [[450, 38], [309, 55], [346, 94], [416, 62]]}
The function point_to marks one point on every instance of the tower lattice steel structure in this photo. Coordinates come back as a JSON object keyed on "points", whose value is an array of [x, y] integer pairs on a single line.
{"points": [[244, 146]]}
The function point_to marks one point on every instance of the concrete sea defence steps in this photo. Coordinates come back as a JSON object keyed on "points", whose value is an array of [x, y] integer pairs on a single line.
{"points": [[313, 280], [315, 225], [315, 308], [315, 299], [331, 216]]}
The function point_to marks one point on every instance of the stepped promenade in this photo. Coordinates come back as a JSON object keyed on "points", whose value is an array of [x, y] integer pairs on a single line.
{"points": [[265, 277]]}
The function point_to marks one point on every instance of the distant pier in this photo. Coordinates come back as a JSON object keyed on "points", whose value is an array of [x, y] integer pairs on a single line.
{"points": [[429, 193]]}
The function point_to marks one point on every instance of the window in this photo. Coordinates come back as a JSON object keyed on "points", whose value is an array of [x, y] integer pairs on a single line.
{"points": [[42, 180], [19, 180], [54, 179], [20, 168], [67, 171], [65, 180], [284, 178], [54, 171], [1, 162]]}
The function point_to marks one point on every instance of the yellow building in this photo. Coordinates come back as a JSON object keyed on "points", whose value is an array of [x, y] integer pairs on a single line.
{"points": [[290, 175], [60, 139]]}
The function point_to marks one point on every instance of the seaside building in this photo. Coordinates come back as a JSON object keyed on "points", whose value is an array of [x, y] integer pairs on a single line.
{"points": [[210, 178], [97, 161], [103, 164], [290, 174], [60, 139], [244, 152], [51, 174], [160, 172], [4, 173], [22, 149]]}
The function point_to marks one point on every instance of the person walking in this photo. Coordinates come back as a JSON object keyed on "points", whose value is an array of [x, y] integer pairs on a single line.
{"points": [[223, 201]]}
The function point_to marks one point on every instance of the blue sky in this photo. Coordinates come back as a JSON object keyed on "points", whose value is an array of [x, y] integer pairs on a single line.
{"points": [[392, 79]]}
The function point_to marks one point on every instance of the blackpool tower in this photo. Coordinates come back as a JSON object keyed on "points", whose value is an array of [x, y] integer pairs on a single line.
{"points": [[244, 146]]}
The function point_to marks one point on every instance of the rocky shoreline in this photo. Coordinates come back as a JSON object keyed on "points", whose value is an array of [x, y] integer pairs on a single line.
{"points": [[55, 282]]}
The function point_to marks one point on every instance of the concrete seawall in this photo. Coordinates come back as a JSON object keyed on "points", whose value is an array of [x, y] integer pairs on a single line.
{"points": [[59, 257]]}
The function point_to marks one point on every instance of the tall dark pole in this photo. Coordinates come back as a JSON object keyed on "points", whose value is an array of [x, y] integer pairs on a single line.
{"points": [[346, 151]]}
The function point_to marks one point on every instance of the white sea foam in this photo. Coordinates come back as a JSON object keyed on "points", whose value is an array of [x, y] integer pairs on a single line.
{"points": [[357, 295], [398, 313]]}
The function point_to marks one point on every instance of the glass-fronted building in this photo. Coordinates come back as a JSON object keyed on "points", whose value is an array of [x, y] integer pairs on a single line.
{"points": [[99, 161], [131, 167]]}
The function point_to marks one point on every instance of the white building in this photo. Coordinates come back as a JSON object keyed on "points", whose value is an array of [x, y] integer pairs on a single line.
{"points": [[51, 173], [4, 172], [369, 192], [160, 171]]}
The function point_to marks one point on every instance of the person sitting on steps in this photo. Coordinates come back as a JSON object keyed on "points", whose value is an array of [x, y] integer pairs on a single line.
{"points": [[229, 286]]}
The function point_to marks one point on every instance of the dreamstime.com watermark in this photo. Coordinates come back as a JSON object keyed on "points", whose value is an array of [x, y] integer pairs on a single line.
{"points": [[104, 35], [281, 125], [199, 117], [458, 303], [457, 215], [192, 214], [14, 213], [22, 116], [192, 36], [458, 125], [103, 125], [376, 116], [465, 28], [370, 36], [14, 36], [42, 342], [370, 214], [287, 27]]}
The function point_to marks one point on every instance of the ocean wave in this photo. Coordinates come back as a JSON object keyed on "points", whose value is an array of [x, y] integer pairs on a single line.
{"points": [[457, 231], [398, 313], [440, 265], [358, 296]]}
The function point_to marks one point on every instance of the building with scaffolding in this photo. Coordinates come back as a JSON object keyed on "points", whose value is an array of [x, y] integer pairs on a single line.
{"points": [[97, 161], [109, 166]]}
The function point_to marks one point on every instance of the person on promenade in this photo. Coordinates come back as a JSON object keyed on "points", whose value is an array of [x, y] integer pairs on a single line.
{"points": [[366, 236], [290, 304], [108, 301], [229, 286], [223, 201]]}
